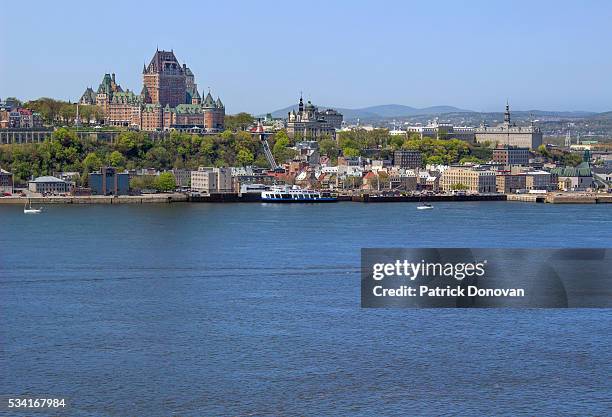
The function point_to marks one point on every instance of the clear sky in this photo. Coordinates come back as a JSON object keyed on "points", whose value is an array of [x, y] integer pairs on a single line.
{"points": [[258, 55]]}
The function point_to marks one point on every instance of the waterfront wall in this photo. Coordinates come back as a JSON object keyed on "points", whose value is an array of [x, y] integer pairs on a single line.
{"points": [[552, 198], [365, 198], [127, 199]]}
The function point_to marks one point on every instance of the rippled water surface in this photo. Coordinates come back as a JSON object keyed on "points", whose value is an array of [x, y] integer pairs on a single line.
{"points": [[253, 309]]}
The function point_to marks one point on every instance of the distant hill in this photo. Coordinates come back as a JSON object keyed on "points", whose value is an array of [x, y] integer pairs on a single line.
{"points": [[391, 111], [545, 113], [380, 112], [398, 110], [602, 116]]}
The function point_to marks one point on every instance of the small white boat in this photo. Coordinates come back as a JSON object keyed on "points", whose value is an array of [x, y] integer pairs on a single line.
{"points": [[424, 206], [27, 209]]}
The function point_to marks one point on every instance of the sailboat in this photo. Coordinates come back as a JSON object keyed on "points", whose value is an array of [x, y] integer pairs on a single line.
{"points": [[27, 209]]}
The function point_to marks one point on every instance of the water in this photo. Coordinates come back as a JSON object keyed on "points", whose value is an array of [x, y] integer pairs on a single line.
{"points": [[253, 309]]}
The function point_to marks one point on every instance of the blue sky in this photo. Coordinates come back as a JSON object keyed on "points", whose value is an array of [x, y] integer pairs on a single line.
{"points": [[258, 55]]}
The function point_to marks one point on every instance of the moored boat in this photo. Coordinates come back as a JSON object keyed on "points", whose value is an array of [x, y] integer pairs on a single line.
{"points": [[295, 194], [27, 209]]}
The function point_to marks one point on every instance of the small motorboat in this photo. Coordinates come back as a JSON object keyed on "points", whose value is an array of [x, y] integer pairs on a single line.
{"points": [[27, 209], [424, 206]]}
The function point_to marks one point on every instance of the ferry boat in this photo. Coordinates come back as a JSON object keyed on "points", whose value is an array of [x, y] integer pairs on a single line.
{"points": [[295, 194]]}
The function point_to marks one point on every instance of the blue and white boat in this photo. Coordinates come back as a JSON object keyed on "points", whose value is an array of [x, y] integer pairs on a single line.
{"points": [[295, 194]]}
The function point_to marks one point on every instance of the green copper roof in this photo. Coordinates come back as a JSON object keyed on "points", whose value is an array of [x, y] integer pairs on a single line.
{"points": [[582, 170], [187, 108], [209, 101], [125, 97]]}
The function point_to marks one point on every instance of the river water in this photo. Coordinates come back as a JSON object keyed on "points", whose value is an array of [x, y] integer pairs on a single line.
{"points": [[254, 309]]}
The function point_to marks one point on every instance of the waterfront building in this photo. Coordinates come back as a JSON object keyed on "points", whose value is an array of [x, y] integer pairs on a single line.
{"points": [[473, 180], [211, 180], [509, 183], [541, 180], [579, 178], [407, 159], [6, 181], [405, 180], [245, 176], [309, 122], [182, 177], [107, 181], [510, 134], [428, 180], [511, 155], [49, 185]]}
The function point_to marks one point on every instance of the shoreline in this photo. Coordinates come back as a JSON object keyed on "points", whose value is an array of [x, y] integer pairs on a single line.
{"points": [[552, 198]]}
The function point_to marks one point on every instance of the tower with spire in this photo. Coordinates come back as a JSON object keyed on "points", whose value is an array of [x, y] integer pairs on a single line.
{"points": [[507, 114], [509, 134]]}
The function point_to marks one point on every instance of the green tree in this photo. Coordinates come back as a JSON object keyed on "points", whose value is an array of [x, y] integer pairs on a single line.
{"points": [[240, 121], [280, 148], [396, 141], [470, 159], [158, 157], [165, 182], [350, 152], [142, 182], [434, 160], [329, 147], [116, 159], [245, 157], [92, 162]]}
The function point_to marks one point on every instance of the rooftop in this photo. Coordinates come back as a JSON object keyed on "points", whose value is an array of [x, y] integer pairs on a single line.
{"points": [[47, 178]]}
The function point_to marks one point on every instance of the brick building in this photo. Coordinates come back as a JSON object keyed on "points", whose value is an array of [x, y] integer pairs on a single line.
{"points": [[511, 155], [407, 159], [510, 183], [169, 99]]}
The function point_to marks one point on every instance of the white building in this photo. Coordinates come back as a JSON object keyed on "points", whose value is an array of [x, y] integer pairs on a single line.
{"points": [[49, 185], [438, 130], [212, 180]]}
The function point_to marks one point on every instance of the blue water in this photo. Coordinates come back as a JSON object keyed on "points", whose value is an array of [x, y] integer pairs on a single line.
{"points": [[253, 309]]}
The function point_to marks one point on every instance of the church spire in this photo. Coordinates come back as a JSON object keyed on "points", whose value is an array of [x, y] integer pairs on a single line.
{"points": [[507, 114]]}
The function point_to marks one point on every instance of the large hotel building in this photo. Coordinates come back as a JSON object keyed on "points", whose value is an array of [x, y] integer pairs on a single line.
{"points": [[169, 99]]}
